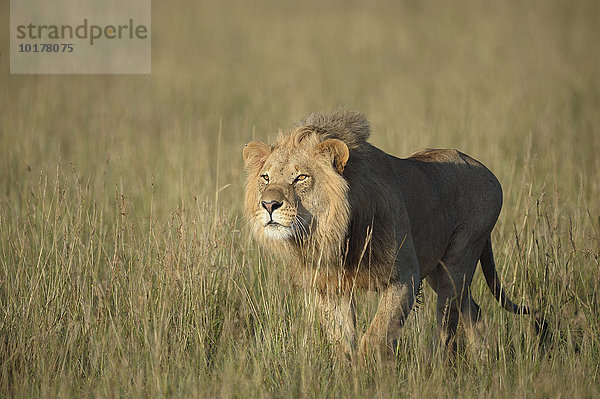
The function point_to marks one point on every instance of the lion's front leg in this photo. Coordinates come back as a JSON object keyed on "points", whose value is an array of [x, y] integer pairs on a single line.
{"points": [[396, 302], [338, 318]]}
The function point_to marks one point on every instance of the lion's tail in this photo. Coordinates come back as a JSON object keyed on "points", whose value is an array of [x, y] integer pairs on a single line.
{"points": [[493, 281]]}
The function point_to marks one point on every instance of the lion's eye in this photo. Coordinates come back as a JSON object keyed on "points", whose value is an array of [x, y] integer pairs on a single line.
{"points": [[265, 177], [301, 178]]}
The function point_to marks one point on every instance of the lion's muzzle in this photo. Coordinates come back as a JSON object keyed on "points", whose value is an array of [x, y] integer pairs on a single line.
{"points": [[276, 213], [273, 199]]}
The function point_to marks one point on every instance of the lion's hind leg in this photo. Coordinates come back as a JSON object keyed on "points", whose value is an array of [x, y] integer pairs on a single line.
{"points": [[451, 281], [451, 309], [447, 311], [474, 326]]}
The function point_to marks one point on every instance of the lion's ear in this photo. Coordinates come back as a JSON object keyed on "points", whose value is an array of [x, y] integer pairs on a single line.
{"points": [[337, 150], [255, 154]]}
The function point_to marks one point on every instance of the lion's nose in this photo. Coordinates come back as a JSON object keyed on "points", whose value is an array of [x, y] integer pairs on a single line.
{"points": [[271, 206]]}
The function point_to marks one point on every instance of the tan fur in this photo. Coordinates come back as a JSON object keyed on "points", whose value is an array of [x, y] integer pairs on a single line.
{"points": [[363, 219]]}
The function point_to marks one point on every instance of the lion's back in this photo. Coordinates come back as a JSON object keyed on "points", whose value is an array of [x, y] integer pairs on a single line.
{"points": [[455, 165], [462, 181]]}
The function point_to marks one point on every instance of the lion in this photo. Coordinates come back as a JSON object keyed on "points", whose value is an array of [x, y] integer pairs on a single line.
{"points": [[344, 215]]}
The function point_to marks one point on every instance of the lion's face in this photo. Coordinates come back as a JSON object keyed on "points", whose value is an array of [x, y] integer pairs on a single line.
{"points": [[289, 185], [285, 190]]}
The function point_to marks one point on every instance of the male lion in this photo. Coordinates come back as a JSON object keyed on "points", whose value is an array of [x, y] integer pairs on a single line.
{"points": [[344, 214]]}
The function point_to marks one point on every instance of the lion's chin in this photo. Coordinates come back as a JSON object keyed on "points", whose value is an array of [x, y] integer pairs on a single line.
{"points": [[276, 231]]}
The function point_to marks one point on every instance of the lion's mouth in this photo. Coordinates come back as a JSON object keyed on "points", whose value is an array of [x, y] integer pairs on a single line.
{"points": [[277, 231], [276, 225]]}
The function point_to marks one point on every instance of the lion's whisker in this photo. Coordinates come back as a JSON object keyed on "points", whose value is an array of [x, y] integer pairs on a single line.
{"points": [[302, 224], [299, 231]]}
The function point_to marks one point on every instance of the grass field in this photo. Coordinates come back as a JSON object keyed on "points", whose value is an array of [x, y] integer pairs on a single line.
{"points": [[125, 267]]}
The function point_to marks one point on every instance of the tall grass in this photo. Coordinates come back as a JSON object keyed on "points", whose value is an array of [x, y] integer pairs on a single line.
{"points": [[125, 266]]}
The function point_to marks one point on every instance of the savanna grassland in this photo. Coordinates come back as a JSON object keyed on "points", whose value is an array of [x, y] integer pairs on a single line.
{"points": [[127, 270]]}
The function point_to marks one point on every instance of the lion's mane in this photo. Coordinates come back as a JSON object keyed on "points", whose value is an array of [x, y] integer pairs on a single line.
{"points": [[350, 245]]}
